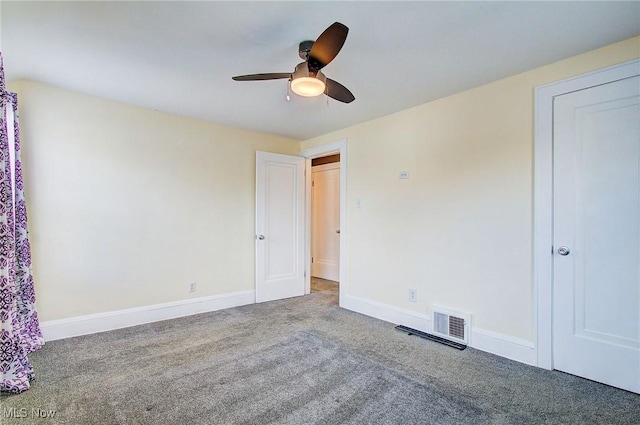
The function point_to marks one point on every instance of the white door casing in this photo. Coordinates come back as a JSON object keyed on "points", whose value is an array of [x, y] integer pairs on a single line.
{"points": [[596, 291], [325, 221], [280, 226]]}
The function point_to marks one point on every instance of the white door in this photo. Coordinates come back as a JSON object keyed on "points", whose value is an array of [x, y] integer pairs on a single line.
{"points": [[596, 282], [279, 226], [325, 220]]}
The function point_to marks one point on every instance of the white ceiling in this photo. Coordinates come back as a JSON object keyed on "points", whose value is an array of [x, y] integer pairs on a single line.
{"points": [[179, 56]]}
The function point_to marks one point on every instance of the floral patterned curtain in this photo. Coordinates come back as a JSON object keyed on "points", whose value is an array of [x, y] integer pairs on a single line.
{"points": [[19, 327]]}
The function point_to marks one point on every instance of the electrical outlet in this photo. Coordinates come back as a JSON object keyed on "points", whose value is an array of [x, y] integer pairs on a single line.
{"points": [[192, 287], [413, 295]]}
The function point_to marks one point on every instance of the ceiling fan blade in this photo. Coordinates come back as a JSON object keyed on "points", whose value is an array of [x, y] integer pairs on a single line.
{"points": [[339, 92], [327, 46], [260, 77]]}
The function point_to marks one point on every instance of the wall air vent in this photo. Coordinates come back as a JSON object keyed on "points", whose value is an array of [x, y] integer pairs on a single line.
{"points": [[450, 324]]}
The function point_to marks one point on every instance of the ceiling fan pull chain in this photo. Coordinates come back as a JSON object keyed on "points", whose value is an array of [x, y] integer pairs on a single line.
{"points": [[288, 87]]}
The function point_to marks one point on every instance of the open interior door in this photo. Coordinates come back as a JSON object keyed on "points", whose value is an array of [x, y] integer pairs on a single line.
{"points": [[280, 192], [325, 221]]}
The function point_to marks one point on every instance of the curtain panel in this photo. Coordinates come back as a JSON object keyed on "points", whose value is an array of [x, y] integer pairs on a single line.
{"points": [[20, 332]]}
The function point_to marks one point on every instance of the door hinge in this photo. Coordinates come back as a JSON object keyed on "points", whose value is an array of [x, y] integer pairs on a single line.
{"points": [[312, 259], [313, 183]]}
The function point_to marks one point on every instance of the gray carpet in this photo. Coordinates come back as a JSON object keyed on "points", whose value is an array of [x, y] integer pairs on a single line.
{"points": [[297, 361]]}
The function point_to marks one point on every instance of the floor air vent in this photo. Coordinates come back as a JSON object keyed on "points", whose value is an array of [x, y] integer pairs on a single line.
{"points": [[435, 338], [451, 325]]}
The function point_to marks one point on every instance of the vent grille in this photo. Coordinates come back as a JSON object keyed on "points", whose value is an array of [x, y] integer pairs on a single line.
{"points": [[441, 323], [451, 324], [456, 327]]}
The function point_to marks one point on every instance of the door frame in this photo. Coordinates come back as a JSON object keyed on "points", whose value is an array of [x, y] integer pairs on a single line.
{"points": [[543, 196], [340, 147]]}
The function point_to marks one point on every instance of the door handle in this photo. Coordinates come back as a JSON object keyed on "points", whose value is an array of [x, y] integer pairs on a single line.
{"points": [[564, 251], [260, 237]]}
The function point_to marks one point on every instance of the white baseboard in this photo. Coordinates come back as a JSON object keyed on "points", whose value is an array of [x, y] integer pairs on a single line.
{"points": [[399, 316], [502, 345], [101, 322], [492, 342], [513, 348]]}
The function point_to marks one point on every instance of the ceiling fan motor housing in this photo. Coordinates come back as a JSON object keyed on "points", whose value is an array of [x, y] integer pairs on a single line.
{"points": [[303, 70], [304, 48]]}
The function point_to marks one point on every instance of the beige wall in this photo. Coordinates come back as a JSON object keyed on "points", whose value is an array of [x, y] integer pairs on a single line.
{"points": [[459, 230], [126, 205]]}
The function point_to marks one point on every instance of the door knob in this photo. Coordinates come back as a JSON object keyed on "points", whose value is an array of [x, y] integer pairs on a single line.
{"points": [[338, 231], [563, 250], [261, 237]]}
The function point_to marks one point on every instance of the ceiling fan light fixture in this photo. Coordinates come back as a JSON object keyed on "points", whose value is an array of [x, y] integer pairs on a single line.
{"points": [[307, 86], [306, 83]]}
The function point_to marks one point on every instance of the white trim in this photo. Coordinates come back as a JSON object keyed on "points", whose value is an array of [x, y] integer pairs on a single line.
{"points": [[502, 345], [543, 196], [101, 322], [340, 147], [388, 313], [507, 346]]}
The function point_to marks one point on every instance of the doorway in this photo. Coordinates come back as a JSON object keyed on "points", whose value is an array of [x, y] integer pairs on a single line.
{"points": [[325, 223], [586, 226], [325, 153]]}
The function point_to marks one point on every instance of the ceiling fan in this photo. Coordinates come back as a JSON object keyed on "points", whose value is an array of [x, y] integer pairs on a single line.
{"points": [[307, 79]]}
